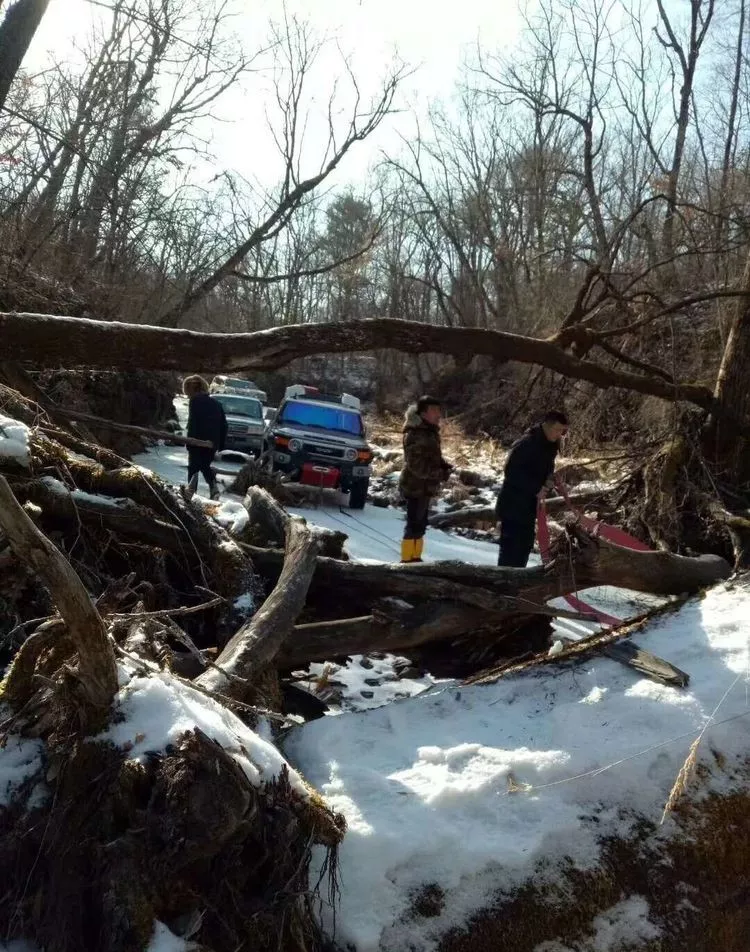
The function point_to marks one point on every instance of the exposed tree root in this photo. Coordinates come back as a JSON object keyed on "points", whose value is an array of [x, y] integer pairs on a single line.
{"points": [[183, 838]]}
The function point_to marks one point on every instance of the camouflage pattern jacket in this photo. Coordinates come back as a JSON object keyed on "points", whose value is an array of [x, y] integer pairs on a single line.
{"points": [[424, 467]]}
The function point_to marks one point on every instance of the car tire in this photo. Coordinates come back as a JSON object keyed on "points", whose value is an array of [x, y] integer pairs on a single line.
{"points": [[358, 493]]}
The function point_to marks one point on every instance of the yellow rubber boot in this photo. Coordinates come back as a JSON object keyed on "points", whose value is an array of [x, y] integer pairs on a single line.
{"points": [[407, 550], [418, 549]]}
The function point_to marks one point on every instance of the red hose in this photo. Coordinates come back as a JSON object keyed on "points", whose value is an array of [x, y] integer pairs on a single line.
{"points": [[594, 527]]}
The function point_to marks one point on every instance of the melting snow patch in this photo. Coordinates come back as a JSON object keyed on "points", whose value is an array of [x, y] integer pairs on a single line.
{"points": [[78, 495], [14, 441], [20, 758], [163, 940], [157, 710], [624, 926], [232, 516], [245, 603], [472, 789], [365, 683]]}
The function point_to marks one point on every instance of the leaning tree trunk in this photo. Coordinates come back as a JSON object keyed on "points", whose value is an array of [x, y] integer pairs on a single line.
{"points": [[724, 444], [16, 33]]}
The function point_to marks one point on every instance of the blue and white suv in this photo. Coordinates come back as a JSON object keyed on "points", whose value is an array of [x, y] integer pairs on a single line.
{"points": [[320, 440]]}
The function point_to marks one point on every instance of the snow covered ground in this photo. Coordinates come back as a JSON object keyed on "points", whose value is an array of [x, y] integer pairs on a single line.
{"points": [[470, 788]]}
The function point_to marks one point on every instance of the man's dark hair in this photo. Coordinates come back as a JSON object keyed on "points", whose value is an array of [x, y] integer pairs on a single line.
{"points": [[424, 403], [556, 416]]}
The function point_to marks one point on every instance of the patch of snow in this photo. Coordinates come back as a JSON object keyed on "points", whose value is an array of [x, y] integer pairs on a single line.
{"points": [[78, 495], [472, 788], [232, 515], [625, 924], [20, 759], [375, 536], [19, 945], [14, 441], [245, 603], [365, 683], [164, 940], [157, 710]]}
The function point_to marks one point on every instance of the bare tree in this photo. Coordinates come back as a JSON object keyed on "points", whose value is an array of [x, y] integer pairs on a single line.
{"points": [[296, 49], [684, 55]]}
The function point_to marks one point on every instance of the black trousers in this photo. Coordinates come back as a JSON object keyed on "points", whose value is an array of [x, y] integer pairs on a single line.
{"points": [[516, 541], [199, 461], [417, 513]]}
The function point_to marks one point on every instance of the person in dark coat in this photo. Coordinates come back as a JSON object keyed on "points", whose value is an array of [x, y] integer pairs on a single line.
{"points": [[206, 421], [423, 471], [529, 472]]}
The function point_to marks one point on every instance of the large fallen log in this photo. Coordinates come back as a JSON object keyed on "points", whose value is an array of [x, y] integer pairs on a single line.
{"points": [[144, 431], [474, 515], [449, 600], [655, 572], [122, 516], [75, 342], [257, 642], [391, 631]]}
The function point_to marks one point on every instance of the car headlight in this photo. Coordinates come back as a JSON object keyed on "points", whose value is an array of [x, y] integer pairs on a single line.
{"points": [[350, 455], [295, 446]]}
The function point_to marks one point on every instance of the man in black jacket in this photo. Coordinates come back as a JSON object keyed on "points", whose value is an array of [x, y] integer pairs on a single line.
{"points": [[529, 471], [206, 421]]}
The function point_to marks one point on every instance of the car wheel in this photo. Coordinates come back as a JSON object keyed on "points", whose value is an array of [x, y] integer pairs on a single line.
{"points": [[358, 493]]}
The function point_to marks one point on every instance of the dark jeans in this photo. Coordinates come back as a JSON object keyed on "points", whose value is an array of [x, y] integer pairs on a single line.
{"points": [[199, 461], [516, 541], [417, 512]]}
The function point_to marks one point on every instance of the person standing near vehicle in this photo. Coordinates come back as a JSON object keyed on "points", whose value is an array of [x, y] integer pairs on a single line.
{"points": [[529, 472], [206, 421], [423, 472]]}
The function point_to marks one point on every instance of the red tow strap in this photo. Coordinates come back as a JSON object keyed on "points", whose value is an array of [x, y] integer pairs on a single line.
{"points": [[595, 528]]}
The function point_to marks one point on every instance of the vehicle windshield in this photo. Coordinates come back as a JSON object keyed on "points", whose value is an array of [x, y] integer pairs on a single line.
{"points": [[237, 383], [241, 406], [321, 417]]}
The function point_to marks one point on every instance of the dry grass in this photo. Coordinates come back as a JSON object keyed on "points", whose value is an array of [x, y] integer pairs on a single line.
{"points": [[704, 858], [683, 779]]}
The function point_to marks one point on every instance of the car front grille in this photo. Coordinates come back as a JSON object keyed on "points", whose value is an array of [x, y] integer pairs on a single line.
{"points": [[325, 452]]}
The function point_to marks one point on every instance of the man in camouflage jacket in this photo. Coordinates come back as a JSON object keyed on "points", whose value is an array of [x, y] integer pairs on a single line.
{"points": [[423, 471]]}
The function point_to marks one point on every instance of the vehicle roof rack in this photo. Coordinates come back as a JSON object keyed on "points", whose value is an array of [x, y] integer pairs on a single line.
{"points": [[301, 392]]}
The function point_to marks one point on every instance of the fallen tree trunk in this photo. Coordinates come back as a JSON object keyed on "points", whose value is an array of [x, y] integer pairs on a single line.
{"points": [[145, 431], [74, 342], [382, 631], [97, 675], [655, 572], [122, 516], [256, 644], [472, 515], [594, 563]]}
